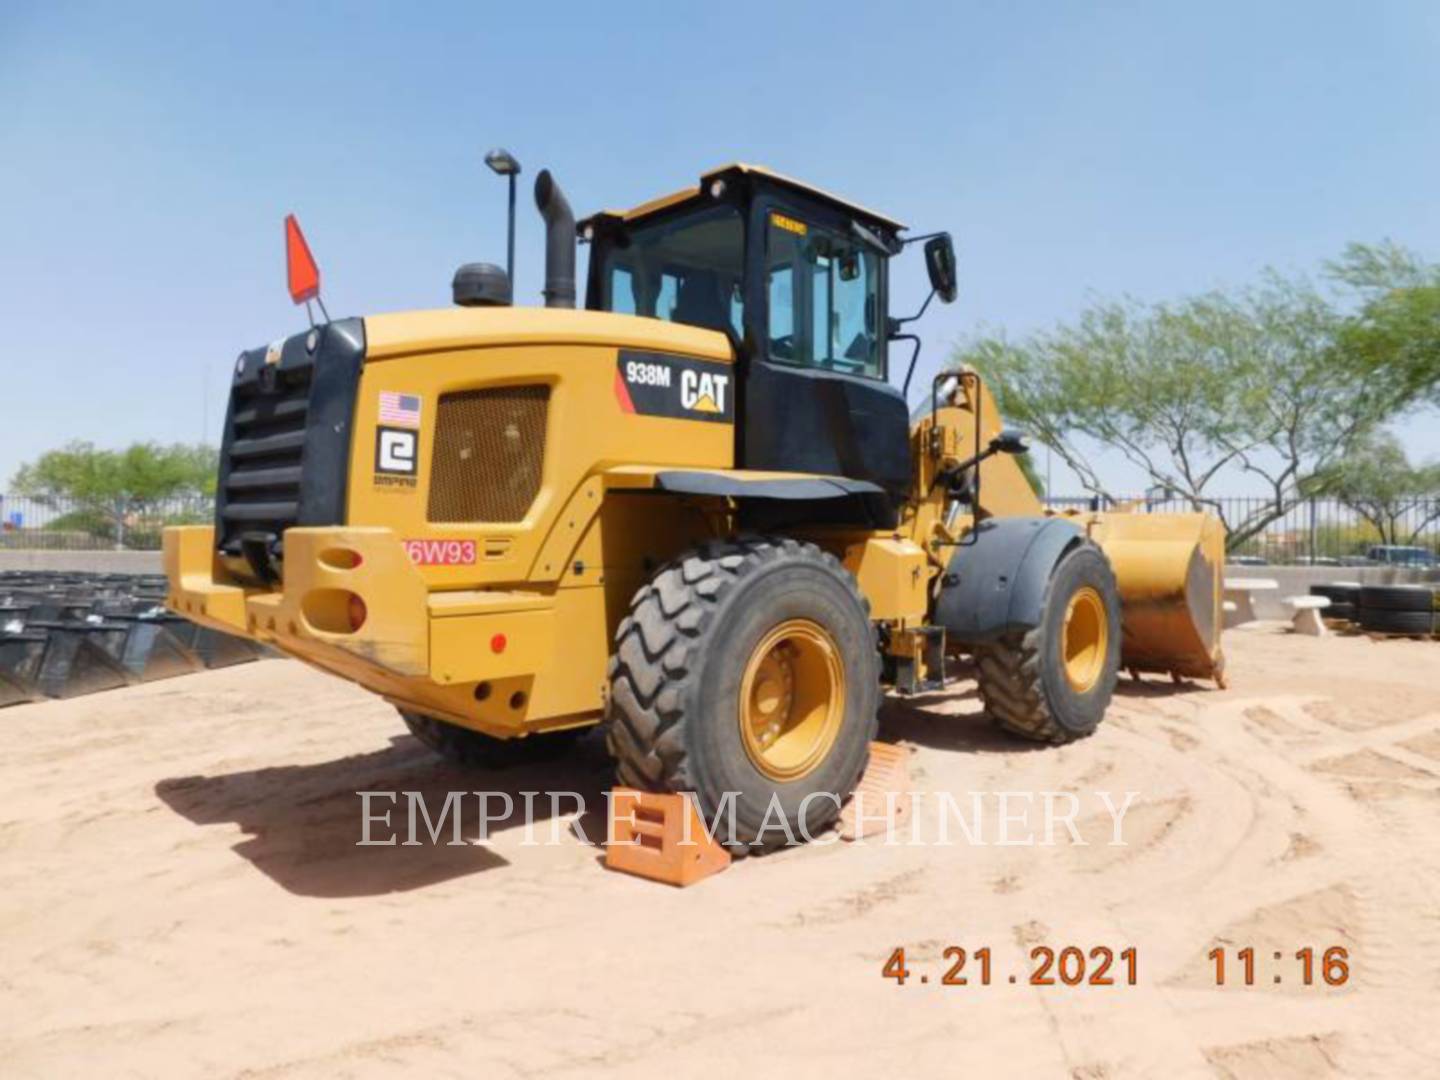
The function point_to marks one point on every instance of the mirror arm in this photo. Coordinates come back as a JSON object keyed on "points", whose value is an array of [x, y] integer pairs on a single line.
{"points": [[895, 324], [914, 356]]}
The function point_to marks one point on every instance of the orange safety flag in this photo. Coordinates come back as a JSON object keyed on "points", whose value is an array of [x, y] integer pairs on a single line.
{"points": [[300, 265]]}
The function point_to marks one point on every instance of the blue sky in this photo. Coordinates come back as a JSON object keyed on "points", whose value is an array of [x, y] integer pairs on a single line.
{"points": [[149, 152]]}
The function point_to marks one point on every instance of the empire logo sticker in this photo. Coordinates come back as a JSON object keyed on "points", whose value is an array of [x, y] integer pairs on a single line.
{"points": [[676, 387], [396, 460], [440, 552]]}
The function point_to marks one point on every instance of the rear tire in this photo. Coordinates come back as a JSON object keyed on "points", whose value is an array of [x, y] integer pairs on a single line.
{"points": [[1053, 683], [718, 645], [479, 751]]}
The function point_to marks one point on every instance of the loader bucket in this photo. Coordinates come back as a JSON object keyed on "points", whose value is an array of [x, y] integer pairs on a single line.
{"points": [[219, 650], [76, 662], [20, 655], [152, 651], [1169, 568]]}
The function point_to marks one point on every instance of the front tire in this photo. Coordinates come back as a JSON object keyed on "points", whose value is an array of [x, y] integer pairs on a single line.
{"points": [[1053, 683], [747, 673]]}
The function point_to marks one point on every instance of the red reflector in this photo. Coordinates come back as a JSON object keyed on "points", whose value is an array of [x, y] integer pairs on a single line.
{"points": [[357, 613], [498, 643], [300, 265]]}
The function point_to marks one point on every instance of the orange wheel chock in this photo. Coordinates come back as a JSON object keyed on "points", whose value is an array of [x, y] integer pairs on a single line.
{"points": [[882, 799], [660, 837]]}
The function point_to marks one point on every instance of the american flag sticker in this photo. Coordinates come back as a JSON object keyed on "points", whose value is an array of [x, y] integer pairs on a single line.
{"points": [[401, 409]]}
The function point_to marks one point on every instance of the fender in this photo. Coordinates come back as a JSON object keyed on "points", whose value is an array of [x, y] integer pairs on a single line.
{"points": [[829, 500], [997, 577]]}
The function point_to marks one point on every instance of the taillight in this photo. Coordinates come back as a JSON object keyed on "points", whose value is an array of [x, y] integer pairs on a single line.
{"points": [[357, 612]]}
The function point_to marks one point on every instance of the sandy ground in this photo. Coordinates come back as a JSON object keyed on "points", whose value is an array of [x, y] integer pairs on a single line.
{"points": [[181, 894]]}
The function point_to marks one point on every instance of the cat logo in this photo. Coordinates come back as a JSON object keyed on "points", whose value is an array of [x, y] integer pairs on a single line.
{"points": [[675, 387], [703, 391]]}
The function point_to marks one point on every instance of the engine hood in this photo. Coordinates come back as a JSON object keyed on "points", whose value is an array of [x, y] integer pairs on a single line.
{"points": [[406, 333]]}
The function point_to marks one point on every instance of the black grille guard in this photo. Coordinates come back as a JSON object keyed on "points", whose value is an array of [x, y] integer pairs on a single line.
{"points": [[285, 453]]}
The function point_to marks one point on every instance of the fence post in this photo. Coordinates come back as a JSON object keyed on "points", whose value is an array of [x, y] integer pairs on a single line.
{"points": [[1312, 529]]}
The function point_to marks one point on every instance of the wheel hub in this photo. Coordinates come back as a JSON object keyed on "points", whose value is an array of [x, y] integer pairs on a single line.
{"points": [[792, 699], [1085, 639]]}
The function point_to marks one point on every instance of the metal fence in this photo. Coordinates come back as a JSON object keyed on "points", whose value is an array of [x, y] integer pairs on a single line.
{"points": [[28, 524], [1309, 531]]}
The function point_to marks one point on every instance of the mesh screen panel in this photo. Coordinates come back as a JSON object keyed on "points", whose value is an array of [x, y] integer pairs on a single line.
{"points": [[489, 451]]}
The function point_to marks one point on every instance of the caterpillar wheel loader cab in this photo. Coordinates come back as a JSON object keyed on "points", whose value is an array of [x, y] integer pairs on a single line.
{"points": [[695, 511]]}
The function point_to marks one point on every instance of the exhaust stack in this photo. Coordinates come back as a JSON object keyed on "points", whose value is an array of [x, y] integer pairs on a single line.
{"points": [[559, 242]]}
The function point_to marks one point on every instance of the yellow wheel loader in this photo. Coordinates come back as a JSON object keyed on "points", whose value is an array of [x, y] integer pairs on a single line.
{"points": [[697, 512]]}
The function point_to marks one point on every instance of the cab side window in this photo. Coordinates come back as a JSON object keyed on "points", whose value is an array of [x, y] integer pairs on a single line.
{"points": [[823, 292], [687, 270]]}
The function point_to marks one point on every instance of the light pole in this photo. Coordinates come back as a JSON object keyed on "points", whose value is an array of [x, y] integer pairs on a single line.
{"points": [[503, 163]]}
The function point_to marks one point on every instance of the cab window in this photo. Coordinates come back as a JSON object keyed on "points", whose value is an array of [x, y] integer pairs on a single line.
{"points": [[823, 293], [686, 269]]}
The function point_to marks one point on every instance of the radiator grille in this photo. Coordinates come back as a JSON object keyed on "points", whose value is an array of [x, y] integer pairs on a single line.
{"points": [[284, 457], [489, 452], [261, 490]]}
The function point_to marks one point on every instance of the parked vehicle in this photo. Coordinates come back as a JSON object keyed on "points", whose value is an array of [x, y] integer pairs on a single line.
{"points": [[714, 535], [1401, 555]]}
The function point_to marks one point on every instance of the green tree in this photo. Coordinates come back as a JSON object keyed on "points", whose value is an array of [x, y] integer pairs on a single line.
{"points": [[1026, 461], [113, 489], [1262, 380], [1396, 332], [1379, 483]]}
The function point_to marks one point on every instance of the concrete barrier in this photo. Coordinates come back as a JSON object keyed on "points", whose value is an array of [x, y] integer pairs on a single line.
{"points": [[97, 562], [1296, 581]]}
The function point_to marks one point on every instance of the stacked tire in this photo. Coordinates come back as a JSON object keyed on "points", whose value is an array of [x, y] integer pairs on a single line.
{"points": [[1400, 609], [1344, 597]]}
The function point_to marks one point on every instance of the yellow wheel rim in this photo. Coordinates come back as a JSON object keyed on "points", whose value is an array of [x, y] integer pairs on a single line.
{"points": [[792, 700], [1085, 640]]}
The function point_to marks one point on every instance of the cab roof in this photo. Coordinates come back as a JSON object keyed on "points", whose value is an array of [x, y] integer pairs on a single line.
{"points": [[675, 198]]}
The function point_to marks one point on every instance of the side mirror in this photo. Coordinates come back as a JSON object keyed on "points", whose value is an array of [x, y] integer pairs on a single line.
{"points": [[940, 264], [1010, 441]]}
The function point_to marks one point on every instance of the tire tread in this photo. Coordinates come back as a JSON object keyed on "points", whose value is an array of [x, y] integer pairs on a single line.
{"points": [[1011, 681], [656, 651]]}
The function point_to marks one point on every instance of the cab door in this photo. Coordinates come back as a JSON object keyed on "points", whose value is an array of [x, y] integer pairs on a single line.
{"points": [[816, 395]]}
